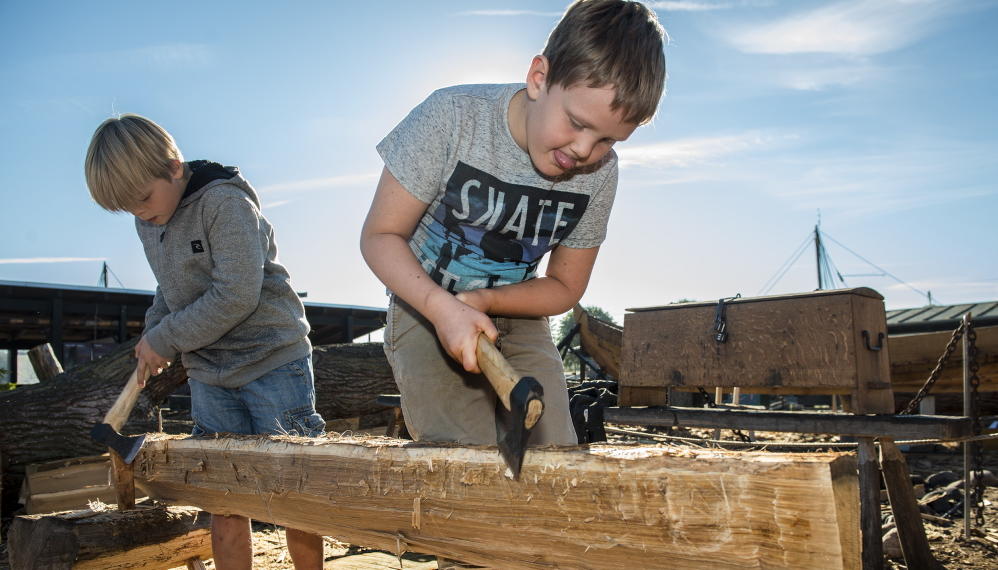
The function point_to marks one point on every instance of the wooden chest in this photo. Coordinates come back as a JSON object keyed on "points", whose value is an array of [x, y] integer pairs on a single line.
{"points": [[822, 342]]}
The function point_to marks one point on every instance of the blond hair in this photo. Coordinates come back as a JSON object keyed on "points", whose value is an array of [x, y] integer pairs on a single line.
{"points": [[616, 43], [126, 153]]}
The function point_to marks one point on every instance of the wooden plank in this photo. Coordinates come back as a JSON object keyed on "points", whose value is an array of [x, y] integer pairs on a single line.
{"points": [[148, 538], [602, 506], [798, 341], [43, 503], [69, 474], [911, 532], [897, 427], [913, 356], [873, 394], [869, 505], [601, 340]]}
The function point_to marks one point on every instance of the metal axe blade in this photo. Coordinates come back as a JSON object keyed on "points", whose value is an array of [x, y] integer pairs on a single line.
{"points": [[126, 446], [512, 430]]}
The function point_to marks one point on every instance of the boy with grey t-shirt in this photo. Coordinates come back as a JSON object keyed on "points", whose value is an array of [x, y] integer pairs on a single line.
{"points": [[479, 183]]}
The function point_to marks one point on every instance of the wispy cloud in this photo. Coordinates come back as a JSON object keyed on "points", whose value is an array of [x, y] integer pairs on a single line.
{"points": [[506, 13], [685, 153], [277, 204], [49, 259], [856, 28], [311, 184]]}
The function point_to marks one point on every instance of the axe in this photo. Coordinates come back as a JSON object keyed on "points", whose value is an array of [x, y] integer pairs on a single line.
{"points": [[107, 432], [519, 407]]}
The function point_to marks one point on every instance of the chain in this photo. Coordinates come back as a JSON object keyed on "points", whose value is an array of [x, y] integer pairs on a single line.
{"points": [[977, 450], [936, 372], [711, 404]]}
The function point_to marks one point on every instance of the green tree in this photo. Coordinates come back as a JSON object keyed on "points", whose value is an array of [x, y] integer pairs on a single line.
{"points": [[565, 325]]}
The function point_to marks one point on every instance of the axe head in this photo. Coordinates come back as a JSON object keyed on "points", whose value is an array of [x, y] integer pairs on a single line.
{"points": [[126, 446], [511, 432]]}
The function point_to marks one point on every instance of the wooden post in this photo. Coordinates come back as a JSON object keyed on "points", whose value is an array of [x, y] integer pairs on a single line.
{"points": [[907, 516], [869, 506], [44, 362], [967, 410]]}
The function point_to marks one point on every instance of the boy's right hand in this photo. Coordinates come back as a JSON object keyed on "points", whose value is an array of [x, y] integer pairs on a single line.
{"points": [[458, 326], [150, 362]]}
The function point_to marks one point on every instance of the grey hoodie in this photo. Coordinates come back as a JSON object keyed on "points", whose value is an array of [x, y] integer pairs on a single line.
{"points": [[223, 301]]}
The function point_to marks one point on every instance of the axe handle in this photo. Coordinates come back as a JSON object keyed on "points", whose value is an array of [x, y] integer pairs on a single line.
{"points": [[122, 408], [503, 378]]}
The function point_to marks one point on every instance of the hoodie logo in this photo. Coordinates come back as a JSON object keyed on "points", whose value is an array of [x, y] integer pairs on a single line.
{"points": [[196, 246]]}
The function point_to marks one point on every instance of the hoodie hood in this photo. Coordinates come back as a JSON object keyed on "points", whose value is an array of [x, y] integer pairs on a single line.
{"points": [[206, 174]]}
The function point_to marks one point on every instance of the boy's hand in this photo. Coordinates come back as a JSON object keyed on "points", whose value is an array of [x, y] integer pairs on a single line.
{"points": [[150, 362], [458, 325]]}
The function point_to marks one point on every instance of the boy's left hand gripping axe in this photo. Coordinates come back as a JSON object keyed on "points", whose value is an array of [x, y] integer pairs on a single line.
{"points": [[520, 403], [107, 432]]}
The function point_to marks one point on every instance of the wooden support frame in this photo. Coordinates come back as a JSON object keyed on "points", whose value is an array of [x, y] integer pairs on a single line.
{"points": [[870, 425]]}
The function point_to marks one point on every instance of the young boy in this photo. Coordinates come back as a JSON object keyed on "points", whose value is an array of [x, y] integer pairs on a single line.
{"points": [[480, 181], [223, 301]]}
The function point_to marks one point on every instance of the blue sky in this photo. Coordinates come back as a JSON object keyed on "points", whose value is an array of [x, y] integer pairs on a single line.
{"points": [[880, 114]]}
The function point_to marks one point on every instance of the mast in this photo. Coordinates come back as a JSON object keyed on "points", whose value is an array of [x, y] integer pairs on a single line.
{"points": [[817, 256]]}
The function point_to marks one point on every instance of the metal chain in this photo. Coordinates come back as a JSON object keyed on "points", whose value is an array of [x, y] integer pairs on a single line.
{"points": [[711, 404], [936, 372], [977, 450]]}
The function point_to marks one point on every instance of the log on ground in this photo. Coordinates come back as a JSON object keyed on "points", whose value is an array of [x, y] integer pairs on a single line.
{"points": [[147, 537], [603, 506], [52, 420]]}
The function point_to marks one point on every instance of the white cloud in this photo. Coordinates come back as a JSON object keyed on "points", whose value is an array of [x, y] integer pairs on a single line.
{"points": [[321, 183], [50, 259], [685, 153], [860, 27]]}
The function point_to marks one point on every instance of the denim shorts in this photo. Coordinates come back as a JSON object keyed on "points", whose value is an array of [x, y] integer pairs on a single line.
{"points": [[281, 401]]}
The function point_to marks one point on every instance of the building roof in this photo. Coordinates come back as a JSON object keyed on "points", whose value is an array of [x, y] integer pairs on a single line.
{"points": [[940, 317], [31, 312]]}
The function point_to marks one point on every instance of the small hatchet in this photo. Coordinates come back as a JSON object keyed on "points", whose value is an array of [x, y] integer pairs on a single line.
{"points": [[520, 403], [107, 432]]}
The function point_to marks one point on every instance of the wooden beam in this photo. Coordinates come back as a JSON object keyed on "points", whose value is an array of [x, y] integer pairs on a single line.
{"points": [[871, 425], [602, 506], [148, 538]]}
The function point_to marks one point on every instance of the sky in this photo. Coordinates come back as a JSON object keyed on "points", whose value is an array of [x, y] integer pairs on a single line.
{"points": [[875, 117]]}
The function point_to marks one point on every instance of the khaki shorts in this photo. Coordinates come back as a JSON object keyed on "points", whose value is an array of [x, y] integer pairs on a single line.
{"points": [[442, 402]]}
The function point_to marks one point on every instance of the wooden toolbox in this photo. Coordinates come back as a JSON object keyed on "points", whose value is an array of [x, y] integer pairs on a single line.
{"points": [[821, 342]]}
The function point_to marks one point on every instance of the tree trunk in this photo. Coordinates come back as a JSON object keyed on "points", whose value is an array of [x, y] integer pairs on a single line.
{"points": [[349, 378], [52, 420], [602, 506], [149, 538]]}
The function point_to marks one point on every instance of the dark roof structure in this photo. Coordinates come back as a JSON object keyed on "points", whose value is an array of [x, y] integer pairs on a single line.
{"points": [[35, 313], [934, 318]]}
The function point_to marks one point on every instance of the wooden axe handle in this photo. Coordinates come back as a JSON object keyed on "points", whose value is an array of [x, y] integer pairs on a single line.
{"points": [[503, 378], [122, 408]]}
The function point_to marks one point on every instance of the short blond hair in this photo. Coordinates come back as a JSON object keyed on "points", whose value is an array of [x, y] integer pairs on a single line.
{"points": [[618, 43], [126, 153]]}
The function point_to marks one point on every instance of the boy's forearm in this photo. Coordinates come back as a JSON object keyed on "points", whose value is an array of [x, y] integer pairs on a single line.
{"points": [[540, 297]]}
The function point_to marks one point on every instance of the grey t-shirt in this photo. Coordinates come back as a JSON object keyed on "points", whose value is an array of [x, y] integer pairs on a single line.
{"points": [[490, 216]]}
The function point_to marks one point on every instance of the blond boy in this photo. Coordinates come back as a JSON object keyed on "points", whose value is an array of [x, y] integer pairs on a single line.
{"points": [[223, 301]]}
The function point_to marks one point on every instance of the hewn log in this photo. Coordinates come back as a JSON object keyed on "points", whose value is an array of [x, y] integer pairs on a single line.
{"points": [[604, 506], [149, 538], [52, 420]]}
